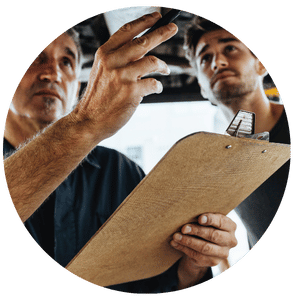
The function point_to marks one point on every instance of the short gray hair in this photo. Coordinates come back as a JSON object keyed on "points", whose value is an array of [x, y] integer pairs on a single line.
{"points": [[76, 38]]}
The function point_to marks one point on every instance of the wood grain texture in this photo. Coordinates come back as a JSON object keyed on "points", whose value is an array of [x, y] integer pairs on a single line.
{"points": [[199, 174]]}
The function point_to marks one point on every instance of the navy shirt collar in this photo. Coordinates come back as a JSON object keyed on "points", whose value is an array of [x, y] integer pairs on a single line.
{"points": [[92, 160]]}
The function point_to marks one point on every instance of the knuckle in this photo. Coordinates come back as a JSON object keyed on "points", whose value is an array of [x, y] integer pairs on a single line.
{"points": [[120, 74], [194, 255], [187, 241], [144, 18], [161, 31], [216, 220], [152, 60], [141, 41], [234, 242], [100, 54], [147, 19], [206, 249], [126, 27], [224, 253], [216, 236], [220, 221], [197, 230], [102, 57], [130, 25], [130, 89]]}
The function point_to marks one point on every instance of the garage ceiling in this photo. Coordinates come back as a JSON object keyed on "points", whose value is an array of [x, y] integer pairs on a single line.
{"points": [[180, 85]]}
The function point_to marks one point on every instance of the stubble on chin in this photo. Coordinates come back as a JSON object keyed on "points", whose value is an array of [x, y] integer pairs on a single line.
{"points": [[48, 104], [49, 111], [231, 94]]}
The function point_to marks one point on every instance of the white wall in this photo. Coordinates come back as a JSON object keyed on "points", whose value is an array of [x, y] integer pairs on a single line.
{"points": [[156, 127]]}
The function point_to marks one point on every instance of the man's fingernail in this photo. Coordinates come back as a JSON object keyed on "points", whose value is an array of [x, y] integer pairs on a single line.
{"points": [[177, 237], [204, 219], [187, 229]]}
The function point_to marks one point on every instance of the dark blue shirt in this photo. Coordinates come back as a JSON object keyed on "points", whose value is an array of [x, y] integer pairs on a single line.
{"points": [[73, 213]]}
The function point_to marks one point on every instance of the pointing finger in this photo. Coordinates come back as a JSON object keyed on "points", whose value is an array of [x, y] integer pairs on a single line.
{"points": [[128, 31], [139, 47], [145, 66]]}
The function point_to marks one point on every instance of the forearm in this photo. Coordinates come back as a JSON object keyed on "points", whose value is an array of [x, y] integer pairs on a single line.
{"points": [[38, 168], [114, 91]]}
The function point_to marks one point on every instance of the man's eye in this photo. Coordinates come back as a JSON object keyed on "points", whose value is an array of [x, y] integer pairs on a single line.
{"points": [[230, 48], [67, 62], [205, 59]]}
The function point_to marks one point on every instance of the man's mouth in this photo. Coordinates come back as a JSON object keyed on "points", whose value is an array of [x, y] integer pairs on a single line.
{"points": [[48, 93], [221, 75]]}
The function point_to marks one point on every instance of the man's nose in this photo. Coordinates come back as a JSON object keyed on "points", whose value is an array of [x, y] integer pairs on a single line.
{"points": [[219, 62], [50, 72]]}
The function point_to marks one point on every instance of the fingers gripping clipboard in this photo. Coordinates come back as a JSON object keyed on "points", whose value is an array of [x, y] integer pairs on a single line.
{"points": [[203, 172]]}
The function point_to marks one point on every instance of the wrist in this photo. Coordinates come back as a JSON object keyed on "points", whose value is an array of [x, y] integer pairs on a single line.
{"points": [[189, 274], [84, 129], [91, 125]]}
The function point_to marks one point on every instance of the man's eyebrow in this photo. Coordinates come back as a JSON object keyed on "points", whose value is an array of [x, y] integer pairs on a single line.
{"points": [[229, 39], [71, 53], [203, 49], [220, 41]]}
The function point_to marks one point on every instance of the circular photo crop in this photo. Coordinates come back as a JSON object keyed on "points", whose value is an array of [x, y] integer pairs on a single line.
{"points": [[146, 149]]}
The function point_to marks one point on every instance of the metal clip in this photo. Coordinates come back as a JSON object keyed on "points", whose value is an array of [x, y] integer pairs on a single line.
{"points": [[243, 124]]}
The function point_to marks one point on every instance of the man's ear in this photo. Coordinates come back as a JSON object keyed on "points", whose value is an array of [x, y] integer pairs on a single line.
{"points": [[261, 70]]}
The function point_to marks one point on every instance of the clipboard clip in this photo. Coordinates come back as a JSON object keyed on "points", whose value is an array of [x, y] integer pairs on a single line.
{"points": [[243, 125]]}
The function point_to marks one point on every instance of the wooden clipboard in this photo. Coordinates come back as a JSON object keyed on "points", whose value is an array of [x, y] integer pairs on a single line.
{"points": [[203, 172]]}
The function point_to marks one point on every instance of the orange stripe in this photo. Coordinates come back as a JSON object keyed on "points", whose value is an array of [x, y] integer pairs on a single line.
{"points": [[272, 92]]}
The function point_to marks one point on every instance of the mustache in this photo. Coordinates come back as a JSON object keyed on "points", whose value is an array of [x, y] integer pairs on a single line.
{"points": [[51, 86], [216, 74]]}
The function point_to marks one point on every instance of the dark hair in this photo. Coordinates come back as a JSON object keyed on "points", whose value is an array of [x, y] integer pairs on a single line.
{"points": [[194, 33], [75, 37]]}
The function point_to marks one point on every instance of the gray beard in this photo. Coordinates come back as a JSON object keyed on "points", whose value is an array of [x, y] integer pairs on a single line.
{"points": [[48, 103]]}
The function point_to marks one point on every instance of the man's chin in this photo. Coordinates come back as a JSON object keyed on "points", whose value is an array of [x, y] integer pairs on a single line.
{"points": [[49, 113], [228, 93], [47, 118]]}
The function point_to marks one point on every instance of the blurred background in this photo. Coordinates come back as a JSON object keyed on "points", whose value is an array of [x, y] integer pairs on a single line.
{"points": [[162, 119]]}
